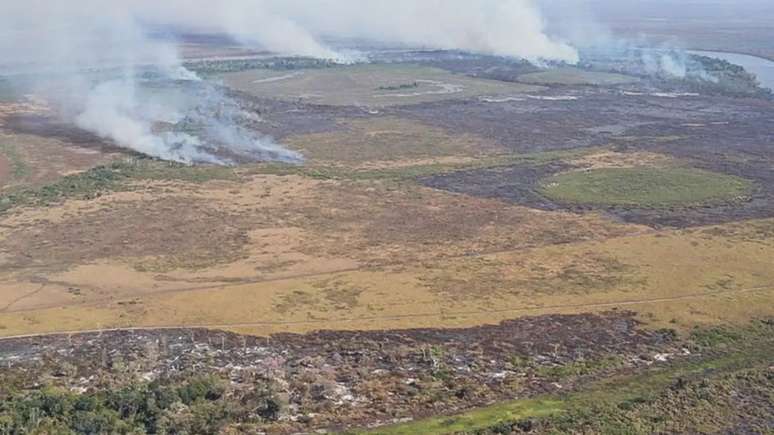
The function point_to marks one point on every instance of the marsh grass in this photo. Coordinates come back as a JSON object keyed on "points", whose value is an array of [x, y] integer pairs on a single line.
{"points": [[645, 187]]}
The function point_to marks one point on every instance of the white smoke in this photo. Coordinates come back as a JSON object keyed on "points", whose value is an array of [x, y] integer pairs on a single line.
{"points": [[587, 25], [95, 54], [92, 61], [500, 27], [296, 27], [670, 64], [673, 63]]}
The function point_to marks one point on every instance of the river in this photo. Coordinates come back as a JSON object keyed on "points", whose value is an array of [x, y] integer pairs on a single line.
{"points": [[762, 68]]}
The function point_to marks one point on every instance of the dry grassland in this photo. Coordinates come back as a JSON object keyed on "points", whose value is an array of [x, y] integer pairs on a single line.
{"points": [[261, 253]]}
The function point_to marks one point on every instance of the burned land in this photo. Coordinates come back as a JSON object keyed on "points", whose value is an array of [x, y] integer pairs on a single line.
{"points": [[719, 134], [338, 380]]}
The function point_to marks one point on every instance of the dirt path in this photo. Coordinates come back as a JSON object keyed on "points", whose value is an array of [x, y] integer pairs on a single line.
{"points": [[21, 298], [624, 303]]}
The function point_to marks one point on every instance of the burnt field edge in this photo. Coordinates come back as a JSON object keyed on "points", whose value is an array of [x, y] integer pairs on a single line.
{"points": [[552, 364], [524, 183], [606, 404]]}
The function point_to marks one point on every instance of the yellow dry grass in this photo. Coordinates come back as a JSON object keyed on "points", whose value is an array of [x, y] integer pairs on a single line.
{"points": [[611, 159], [675, 278], [306, 254], [265, 253]]}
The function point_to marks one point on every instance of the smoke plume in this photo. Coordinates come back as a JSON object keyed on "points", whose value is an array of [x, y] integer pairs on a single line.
{"points": [[97, 63], [500, 27]]}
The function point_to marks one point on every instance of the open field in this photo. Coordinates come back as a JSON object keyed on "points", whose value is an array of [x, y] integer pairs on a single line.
{"points": [[575, 77], [367, 85], [462, 241], [311, 252], [644, 187]]}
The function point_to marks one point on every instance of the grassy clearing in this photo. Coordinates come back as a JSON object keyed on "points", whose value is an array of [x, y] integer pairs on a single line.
{"points": [[359, 85], [649, 402], [575, 77], [479, 419], [114, 177], [644, 187]]}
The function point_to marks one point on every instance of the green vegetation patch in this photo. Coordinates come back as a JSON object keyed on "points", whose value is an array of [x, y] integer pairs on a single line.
{"points": [[691, 396], [400, 87], [729, 79], [110, 178], [209, 68], [711, 405], [575, 77], [195, 405], [715, 337], [645, 187]]}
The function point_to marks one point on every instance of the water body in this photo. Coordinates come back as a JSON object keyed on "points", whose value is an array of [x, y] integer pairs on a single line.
{"points": [[762, 68]]}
